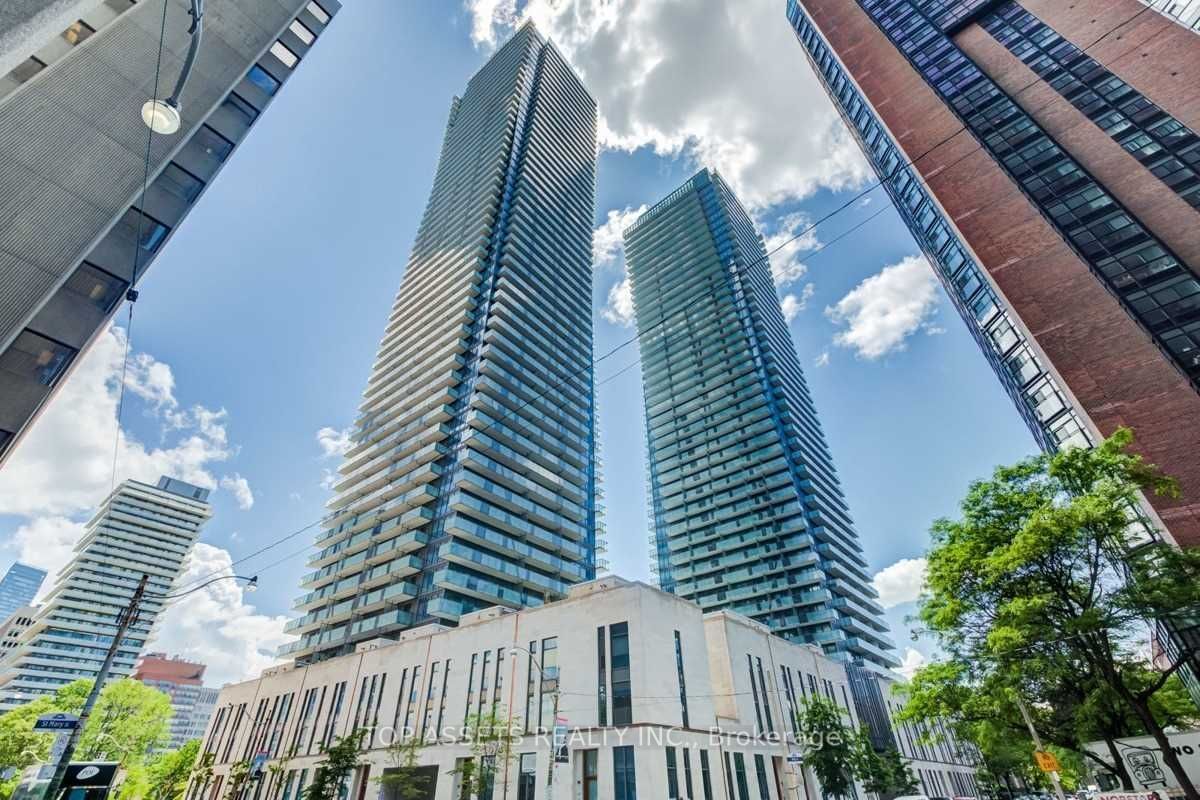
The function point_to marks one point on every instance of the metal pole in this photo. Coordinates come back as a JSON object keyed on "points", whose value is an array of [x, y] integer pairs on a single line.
{"points": [[1037, 740], [127, 616], [553, 744]]}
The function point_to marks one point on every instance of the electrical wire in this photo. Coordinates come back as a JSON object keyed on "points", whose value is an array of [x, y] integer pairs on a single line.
{"points": [[131, 294], [896, 171]]}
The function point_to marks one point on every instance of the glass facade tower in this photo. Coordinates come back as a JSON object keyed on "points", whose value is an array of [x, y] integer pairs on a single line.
{"points": [[748, 513], [471, 478], [18, 588]]}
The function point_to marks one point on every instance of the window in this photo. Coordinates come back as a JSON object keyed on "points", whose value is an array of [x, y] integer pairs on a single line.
{"points": [[26, 70], [682, 682], [96, 287], [728, 778], [624, 777], [531, 683], [34, 357], [549, 673], [762, 683], [760, 771], [591, 775], [302, 33], [78, 32], [622, 691], [687, 774], [758, 719], [318, 12], [672, 775], [242, 110], [262, 79], [739, 769], [602, 679], [280, 51], [212, 143], [705, 775], [526, 778], [179, 182]]}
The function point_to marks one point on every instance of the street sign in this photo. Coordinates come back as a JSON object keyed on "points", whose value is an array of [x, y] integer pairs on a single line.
{"points": [[795, 758], [1046, 761], [560, 741], [56, 722], [94, 775]]}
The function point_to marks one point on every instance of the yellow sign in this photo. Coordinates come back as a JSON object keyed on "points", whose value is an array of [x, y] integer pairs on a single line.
{"points": [[1046, 761]]}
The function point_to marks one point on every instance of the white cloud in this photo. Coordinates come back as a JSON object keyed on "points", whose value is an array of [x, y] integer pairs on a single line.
{"points": [[216, 626], [901, 582], [329, 478], [786, 265], [334, 442], [619, 308], [608, 243], [240, 488], [822, 360], [913, 660], [722, 84], [793, 305], [82, 421], [886, 308], [48, 543]]}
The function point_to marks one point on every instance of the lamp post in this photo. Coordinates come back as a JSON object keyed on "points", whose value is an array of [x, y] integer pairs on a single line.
{"points": [[163, 116], [537, 662], [125, 618]]}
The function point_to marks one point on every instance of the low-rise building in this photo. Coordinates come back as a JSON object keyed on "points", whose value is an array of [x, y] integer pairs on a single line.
{"points": [[652, 697], [192, 702], [12, 628]]}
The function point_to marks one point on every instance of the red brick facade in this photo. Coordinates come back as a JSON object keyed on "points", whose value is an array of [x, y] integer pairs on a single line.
{"points": [[1115, 372]]}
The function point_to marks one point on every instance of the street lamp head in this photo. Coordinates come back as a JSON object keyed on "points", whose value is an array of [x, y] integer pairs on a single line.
{"points": [[161, 116], [252, 584]]}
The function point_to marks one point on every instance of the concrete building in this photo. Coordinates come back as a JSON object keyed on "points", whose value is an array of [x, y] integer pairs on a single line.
{"points": [[74, 232], [1045, 158], [14, 627], [747, 508], [192, 702], [18, 587], [470, 481], [139, 530], [657, 699]]}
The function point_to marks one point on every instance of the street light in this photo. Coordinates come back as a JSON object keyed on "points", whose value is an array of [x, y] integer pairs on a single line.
{"points": [[127, 617], [163, 116], [537, 662]]}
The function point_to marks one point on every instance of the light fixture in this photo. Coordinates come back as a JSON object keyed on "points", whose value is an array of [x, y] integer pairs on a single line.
{"points": [[252, 584], [163, 116], [160, 116]]}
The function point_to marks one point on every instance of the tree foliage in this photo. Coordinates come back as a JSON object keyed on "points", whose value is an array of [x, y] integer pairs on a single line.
{"points": [[1046, 584], [882, 773], [492, 738], [828, 745], [341, 758]]}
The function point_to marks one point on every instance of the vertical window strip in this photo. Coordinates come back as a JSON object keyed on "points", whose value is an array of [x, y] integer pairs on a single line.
{"points": [[682, 682], [758, 727], [601, 680], [766, 696]]}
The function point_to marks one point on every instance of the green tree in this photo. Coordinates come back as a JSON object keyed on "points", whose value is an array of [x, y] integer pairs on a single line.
{"points": [[239, 774], [828, 745], [130, 720], [169, 772], [492, 738], [1050, 564], [341, 758], [404, 780], [20, 747], [882, 773]]}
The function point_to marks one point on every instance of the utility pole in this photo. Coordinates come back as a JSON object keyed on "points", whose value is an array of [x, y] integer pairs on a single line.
{"points": [[126, 618], [1037, 741]]}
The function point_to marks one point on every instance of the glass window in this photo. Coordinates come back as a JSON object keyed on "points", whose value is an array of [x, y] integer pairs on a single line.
{"points": [[526, 778], [78, 32], [280, 51], [687, 774], [622, 689], [33, 356], [672, 775], [624, 777], [705, 775], [550, 673], [602, 679], [302, 33], [591, 775], [240, 108], [318, 12], [179, 182], [262, 79], [96, 287], [212, 143], [739, 770], [26, 69], [760, 771], [682, 683]]}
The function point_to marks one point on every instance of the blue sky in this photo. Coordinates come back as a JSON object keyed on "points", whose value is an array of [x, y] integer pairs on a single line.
{"points": [[269, 302]]}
